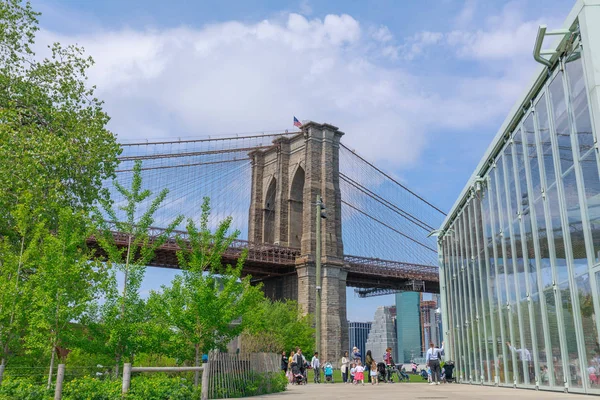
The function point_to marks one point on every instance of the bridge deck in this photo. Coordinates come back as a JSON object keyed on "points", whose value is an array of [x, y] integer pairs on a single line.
{"points": [[269, 260]]}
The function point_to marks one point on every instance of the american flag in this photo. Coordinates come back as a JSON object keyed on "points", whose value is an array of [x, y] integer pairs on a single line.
{"points": [[297, 123]]}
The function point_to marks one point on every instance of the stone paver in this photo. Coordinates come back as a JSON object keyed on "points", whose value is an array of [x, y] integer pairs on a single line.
{"points": [[415, 391]]}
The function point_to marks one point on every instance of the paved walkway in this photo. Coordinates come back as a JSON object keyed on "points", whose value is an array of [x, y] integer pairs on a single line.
{"points": [[414, 391]]}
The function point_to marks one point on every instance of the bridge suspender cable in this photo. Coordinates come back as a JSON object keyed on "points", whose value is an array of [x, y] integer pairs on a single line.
{"points": [[389, 227], [395, 181], [411, 218]]}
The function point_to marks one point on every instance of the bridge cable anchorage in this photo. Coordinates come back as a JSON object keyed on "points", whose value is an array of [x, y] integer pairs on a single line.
{"points": [[388, 204], [389, 227], [393, 180]]}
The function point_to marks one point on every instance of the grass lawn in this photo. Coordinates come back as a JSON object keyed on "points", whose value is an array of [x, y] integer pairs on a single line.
{"points": [[337, 377]]}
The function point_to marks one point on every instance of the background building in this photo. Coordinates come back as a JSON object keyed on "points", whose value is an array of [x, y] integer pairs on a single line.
{"points": [[520, 269], [408, 326], [358, 332], [383, 333]]}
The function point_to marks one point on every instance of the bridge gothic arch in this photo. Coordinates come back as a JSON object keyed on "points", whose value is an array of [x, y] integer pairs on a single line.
{"points": [[296, 208], [269, 212]]}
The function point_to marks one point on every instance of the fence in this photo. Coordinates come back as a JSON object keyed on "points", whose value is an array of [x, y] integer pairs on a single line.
{"points": [[224, 376], [240, 375]]}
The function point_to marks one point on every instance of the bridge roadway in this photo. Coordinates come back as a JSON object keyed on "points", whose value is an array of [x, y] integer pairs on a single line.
{"points": [[269, 260]]}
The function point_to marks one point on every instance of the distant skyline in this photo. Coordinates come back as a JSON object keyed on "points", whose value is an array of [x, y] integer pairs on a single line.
{"points": [[420, 88]]}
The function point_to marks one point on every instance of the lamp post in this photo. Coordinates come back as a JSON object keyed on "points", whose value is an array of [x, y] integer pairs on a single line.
{"points": [[320, 214]]}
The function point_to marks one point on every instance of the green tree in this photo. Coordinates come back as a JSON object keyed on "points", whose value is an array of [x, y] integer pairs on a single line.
{"points": [[206, 306], [54, 143], [124, 313], [276, 326], [67, 280], [16, 260]]}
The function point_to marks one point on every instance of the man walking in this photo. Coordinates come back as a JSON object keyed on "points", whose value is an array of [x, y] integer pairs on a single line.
{"points": [[433, 362], [316, 366]]}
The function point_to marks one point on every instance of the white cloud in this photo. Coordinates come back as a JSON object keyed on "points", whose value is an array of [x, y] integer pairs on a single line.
{"points": [[382, 34], [248, 77], [305, 7]]}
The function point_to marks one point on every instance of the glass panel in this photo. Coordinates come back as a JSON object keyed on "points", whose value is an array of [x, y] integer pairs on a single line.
{"points": [[529, 136], [562, 129], [575, 225], [545, 266], [574, 370], [591, 183], [557, 234], [579, 105], [553, 327], [541, 112], [521, 172]]}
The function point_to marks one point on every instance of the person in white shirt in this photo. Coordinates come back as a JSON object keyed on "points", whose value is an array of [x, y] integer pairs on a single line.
{"points": [[433, 361], [524, 355], [316, 366]]}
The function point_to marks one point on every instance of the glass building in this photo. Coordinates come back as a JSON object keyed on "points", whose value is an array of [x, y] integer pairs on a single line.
{"points": [[358, 333], [408, 326], [520, 250]]}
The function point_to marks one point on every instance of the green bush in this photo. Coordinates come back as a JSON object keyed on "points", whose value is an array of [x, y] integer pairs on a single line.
{"points": [[155, 387], [24, 389], [251, 384]]}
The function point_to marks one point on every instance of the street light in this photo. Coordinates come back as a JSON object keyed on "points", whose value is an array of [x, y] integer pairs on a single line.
{"points": [[321, 213]]}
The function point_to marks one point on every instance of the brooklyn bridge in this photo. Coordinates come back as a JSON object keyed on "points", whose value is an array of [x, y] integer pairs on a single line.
{"points": [[375, 236]]}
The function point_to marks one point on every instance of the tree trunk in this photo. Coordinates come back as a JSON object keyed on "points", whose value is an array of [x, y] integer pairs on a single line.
{"points": [[2, 366], [125, 277], [51, 366], [197, 373], [118, 360]]}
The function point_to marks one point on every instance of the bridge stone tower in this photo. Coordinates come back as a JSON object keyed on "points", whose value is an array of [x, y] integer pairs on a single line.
{"points": [[286, 180]]}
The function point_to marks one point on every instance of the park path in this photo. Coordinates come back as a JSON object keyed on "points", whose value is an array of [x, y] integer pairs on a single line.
{"points": [[414, 391]]}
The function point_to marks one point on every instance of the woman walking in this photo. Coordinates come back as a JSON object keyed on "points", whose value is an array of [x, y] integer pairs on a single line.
{"points": [[344, 367], [368, 361]]}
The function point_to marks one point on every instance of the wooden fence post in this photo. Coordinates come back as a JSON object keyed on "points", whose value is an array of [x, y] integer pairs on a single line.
{"points": [[126, 377], [60, 377], [205, 378]]}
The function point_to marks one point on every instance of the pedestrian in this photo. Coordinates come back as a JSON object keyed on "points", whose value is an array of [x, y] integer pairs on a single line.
{"points": [[300, 361], [359, 373], [290, 374], [368, 362], [316, 366], [414, 368], [284, 362], [356, 354], [373, 373], [344, 367], [389, 361], [352, 372], [433, 361]]}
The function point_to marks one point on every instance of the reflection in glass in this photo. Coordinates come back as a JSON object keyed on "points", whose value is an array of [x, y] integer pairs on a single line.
{"points": [[541, 112], [591, 183], [562, 130], [579, 105]]}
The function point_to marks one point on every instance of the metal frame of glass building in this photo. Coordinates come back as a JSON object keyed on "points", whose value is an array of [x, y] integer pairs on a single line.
{"points": [[520, 250]]}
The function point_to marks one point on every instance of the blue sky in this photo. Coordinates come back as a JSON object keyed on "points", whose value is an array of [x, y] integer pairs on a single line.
{"points": [[419, 87]]}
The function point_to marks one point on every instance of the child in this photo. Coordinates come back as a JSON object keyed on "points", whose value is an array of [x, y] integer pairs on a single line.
{"points": [[429, 375], [352, 372], [316, 366], [374, 380], [359, 373]]}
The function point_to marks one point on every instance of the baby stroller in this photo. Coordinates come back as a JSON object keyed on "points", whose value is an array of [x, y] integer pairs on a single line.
{"points": [[298, 377], [381, 372], [328, 370], [402, 375], [448, 371], [424, 375]]}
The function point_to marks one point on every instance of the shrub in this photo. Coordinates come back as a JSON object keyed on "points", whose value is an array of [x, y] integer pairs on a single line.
{"points": [[24, 389]]}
